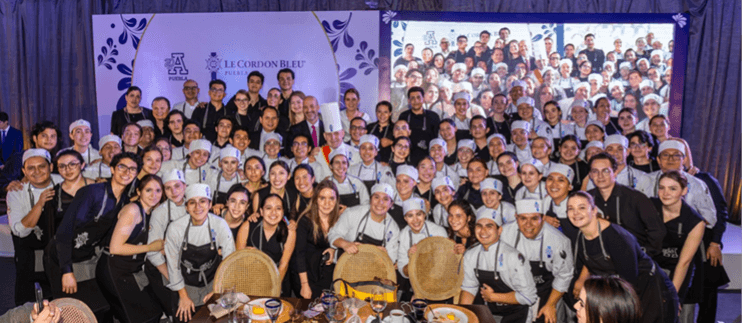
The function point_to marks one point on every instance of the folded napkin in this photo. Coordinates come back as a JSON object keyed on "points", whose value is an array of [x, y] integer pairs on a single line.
{"points": [[218, 311]]}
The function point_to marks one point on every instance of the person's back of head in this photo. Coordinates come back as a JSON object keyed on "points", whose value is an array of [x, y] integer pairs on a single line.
{"points": [[611, 299]]}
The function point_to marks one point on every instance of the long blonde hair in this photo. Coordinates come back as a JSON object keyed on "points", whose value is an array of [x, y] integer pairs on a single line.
{"points": [[313, 213]]}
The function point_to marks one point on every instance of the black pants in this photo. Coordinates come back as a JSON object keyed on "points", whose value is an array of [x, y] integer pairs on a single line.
{"points": [[25, 277]]}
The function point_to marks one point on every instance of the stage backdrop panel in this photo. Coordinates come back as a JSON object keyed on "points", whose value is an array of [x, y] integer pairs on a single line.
{"points": [[328, 51]]}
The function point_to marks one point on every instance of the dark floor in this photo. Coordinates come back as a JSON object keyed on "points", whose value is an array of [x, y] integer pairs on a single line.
{"points": [[728, 307]]}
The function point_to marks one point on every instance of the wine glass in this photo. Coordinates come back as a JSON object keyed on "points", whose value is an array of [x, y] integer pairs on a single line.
{"points": [[228, 301], [378, 302], [273, 307]]}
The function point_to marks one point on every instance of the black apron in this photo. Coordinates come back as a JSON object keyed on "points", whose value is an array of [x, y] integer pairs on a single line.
{"points": [[199, 264], [673, 243], [396, 213], [370, 183], [656, 292], [363, 238], [29, 253], [220, 197], [350, 199], [510, 313], [120, 277], [542, 277]]}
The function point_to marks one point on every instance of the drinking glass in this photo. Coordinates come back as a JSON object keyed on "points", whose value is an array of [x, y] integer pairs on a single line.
{"points": [[419, 306], [378, 302], [228, 301], [273, 307]]}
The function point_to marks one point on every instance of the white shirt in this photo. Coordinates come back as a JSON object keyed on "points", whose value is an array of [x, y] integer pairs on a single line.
{"points": [[512, 269], [374, 172], [350, 222], [197, 236], [407, 236], [521, 154], [19, 205], [186, 108], [447, 170], [97, 170], [540, 192], [505, 211], [160, 219], [89, 155], [550, 246]]}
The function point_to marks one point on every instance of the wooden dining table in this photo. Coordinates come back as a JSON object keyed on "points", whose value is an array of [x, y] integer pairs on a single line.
{"points": [[203, 316]]}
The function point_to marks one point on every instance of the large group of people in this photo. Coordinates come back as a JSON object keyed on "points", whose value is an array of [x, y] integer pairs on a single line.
{"points": [[540, 195]]}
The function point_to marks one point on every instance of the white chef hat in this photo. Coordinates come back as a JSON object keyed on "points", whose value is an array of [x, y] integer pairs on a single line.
{"points": [[458, 66], [198, 190], [653, 97], [477, 71], [489, 214], [562, 169], [525, 100], [229, 151], [582, 85], [467, 143], [79, 123], [369, 138], [408, 170], [200, 144], [616, 83], [338, 151], [491, 184], [174, 174], [672, 144], [383, 188], [461, 95], [520, 124], [441, 181], [529, 206], [108, 138], [569, 62], [595, 144], [595, 76], [412, 204], [616, 139], [497, 136], [145, 124], [518, 83], [500, 65], [538, 165], [272, 136], [438, 141], [643, 59], [331, 117], [596, 123], [579, 103], [647, 83], [36, 152], [625, 65], [656, 52]]}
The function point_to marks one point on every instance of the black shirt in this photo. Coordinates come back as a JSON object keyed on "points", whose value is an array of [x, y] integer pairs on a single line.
{"points": [[424, 127], [382, 133], [207, 116], [120, 118], [633, 211]]}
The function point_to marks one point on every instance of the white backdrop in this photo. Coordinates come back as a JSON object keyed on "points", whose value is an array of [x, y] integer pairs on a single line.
{"points": [[328, 51]]}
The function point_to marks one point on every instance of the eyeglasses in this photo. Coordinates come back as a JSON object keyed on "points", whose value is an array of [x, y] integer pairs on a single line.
{"points": [[300, 144], [356, 128], [190, 88], [605, 172], [217, 90], [126, 169], [241, 100], [637, 145], [402, 147], [675, 157], [72, 165]]}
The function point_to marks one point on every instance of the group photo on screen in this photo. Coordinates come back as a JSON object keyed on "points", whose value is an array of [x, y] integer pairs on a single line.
{"points": [[560, 62]]}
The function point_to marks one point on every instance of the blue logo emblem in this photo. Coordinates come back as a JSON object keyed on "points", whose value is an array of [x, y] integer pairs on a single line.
{"points": [[500, 260], [213, 64], [536, 206], [176, 65], [430, 38], [549, 251]]}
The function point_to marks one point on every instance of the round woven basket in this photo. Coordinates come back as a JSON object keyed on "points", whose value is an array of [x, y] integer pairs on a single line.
{"points": [[74, 311], [369, 263], [434, 269], [251, 272]]}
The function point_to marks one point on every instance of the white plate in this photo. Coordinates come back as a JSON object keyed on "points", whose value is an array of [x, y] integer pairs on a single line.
{"points": [[387, 319], [443, 311], [262, 303]]}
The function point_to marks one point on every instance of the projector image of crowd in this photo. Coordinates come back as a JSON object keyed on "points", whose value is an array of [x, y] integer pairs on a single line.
{"points": [[556, 177]]}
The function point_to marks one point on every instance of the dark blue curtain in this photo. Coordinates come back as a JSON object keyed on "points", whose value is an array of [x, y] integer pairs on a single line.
{"points": [[47, 70]]}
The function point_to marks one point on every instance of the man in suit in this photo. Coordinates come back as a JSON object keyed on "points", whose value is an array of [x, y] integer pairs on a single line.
{"points": [[312, 122], [11, 139]]}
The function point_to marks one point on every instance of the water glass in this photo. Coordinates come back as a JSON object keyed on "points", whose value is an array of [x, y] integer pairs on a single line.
{"points": [[273, 307]]}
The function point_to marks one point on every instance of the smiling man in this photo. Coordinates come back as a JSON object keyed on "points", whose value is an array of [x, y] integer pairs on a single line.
{"points": [[548, 252], [73, 252]]}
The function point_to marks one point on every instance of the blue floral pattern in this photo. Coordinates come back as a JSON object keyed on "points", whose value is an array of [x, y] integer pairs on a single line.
{"points": [[547, 31], [124, 83], [108, 52], [338, 30], [367, 59], [133, 30]]}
